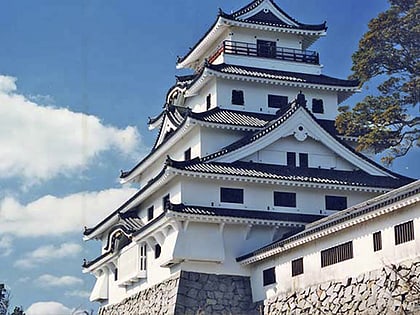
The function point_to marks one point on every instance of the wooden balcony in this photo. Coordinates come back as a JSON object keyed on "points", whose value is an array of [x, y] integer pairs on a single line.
{"points": [[265, 49]]}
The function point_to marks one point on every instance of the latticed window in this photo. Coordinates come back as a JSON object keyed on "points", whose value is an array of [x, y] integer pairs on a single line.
{"points": [[377, 241], [297, 267], [278, 101], [143, 257], [284, 199], [404, 232], [336, 254]]}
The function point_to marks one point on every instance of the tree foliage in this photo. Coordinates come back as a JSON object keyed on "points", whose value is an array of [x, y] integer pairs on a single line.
{"points": [[389, 50]]}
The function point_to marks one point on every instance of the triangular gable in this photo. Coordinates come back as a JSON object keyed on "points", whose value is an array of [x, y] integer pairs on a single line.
{"points": [[300, 123], [264, 11], [170, 123]]}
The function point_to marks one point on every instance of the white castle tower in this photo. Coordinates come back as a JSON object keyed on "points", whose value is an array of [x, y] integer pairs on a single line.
{"points": [[246, 154]]}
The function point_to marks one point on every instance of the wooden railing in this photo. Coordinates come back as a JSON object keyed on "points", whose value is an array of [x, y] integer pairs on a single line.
{"points": [[265, 51]]}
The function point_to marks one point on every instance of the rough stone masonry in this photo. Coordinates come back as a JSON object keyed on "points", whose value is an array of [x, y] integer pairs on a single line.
{"points": [[395, 289]]}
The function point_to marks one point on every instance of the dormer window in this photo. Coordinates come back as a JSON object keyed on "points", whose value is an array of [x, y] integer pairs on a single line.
{"points": [[266, 48], [317, 106], [238, 97], [277, 101]]}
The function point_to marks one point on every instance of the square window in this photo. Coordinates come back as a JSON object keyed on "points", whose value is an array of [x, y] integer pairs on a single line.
{"points": [[291, 159], [266, 48], [231, 195], [317, 106], [297, 267], [150, 212], [278, 101], [284, 199], [238, 97], [335, 203], [404, 232], [303, 160], [269, 276], [377, 241]]}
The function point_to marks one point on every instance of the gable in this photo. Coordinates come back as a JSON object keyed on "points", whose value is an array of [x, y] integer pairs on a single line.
{"points": [[300, 124], [265, 12]]}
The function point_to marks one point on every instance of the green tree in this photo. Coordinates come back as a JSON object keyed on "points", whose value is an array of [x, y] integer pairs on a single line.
{"points": [[388, 51]]}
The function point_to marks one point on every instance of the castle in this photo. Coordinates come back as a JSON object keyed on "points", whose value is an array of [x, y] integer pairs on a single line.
{"points": [[249, 192]]}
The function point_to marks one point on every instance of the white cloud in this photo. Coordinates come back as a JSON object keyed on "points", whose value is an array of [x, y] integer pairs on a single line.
{"points": [[5, 246], [48, 280], [52, 215], [47, 253], [78, 293], [48, 308], [7, 84], [40, 142]]}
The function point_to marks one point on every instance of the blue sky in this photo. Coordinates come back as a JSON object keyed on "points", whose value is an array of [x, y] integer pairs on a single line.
{"points": [[78, 80]]}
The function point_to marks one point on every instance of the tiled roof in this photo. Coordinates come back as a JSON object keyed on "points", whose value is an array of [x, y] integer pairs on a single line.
{"points": [[287, 173], [248, 214], [268, 18], [368, 206], [130, 220], [232, 117], [282, 75]]}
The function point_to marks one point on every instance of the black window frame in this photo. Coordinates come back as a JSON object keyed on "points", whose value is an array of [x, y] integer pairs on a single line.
{"points": [[232, 195], [297, 267], [187, 154], [269, 276], [291, 159], [377, 241], [150, 213], [284, 199], [238, 97], [317, 106], [266, 48], [335, 203], [303, 160], [166, 200], [404, 232], [208, 101], [277, 101], [116, 274], [158, 251], [336, 254]]}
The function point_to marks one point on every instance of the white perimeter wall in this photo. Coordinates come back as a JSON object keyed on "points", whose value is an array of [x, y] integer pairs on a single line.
{"points": [[365, 259]]}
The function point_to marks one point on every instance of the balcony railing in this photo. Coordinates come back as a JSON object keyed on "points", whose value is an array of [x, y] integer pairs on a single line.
{"points": [[265, 49]]}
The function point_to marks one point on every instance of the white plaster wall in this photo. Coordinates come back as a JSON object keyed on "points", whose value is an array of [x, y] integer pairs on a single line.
{"points": [[257, 196], [214, 139], [256, 97], [365, 259], [198, 102], [319, 156], [251, 36]]}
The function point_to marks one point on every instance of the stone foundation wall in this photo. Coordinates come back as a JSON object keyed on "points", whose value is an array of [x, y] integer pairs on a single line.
{"points": [[159, 299], [191, 293], [392, 290]]}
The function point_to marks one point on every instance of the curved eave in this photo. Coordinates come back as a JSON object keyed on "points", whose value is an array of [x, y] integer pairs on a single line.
{"points": [[270, 181], [157, 152], [155, 122], [134, 200], [202, 46], [208, 74]]}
